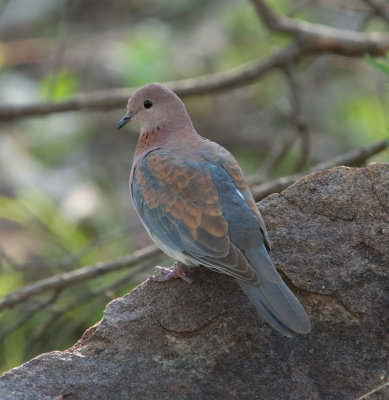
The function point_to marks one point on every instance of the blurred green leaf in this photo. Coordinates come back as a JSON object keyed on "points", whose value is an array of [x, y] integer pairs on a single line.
{"points": [[279, 6], [367, 118], [9, 281], [34, 208], [13, 350], [148, 56], [59, 85], [10, 209], [380, 63]]}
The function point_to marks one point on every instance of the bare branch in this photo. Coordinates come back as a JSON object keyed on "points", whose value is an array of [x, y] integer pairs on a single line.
{"points": [[117, 98], [86, 296], [277, 153], [60, 42], [281, 149], [299, 120], [11, 328], [379, 9], [375, 390], [322, 38], [352, 158], [310, 38], [302, 131], [59, 282]]}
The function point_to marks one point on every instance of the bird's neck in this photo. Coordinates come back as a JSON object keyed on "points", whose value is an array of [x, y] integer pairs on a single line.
{"points": [[161, 136], [150, 139]]}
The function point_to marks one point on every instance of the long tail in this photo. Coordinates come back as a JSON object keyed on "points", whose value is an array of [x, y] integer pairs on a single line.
{"points": [[273, 299]]}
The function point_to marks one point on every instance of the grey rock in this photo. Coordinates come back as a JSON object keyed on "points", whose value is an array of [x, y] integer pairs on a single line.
{"points": [[330, 237]]}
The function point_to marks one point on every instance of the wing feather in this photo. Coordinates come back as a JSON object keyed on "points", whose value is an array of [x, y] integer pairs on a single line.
{"points": [[180, 205]]}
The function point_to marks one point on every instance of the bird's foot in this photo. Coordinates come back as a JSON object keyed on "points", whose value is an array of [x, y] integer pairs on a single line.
{"points": [[177, 271]]}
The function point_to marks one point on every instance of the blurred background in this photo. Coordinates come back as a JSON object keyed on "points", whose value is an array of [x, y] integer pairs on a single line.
{"points": [[64, 197]]}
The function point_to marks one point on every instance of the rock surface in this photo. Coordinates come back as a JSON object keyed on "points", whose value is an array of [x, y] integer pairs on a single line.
{"points": [[330, 236]]}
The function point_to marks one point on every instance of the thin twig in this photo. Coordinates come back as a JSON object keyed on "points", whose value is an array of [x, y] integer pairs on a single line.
{"points": [[352, 158], [59, 46], [365, 396], [379, 9], [310, 39], [277, 153], [87, 296], [323, 38], [6, 258], [59, 282], [117, 98], [73, 258], [280, 150], [299, 120], [40, 306]]}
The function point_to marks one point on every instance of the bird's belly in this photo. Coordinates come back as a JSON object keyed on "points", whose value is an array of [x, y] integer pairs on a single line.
{"points": [[176, 255]]}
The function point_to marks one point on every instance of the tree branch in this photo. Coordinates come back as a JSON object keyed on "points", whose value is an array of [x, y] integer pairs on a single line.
{"points": [[117, 98], [82, 298], [379, 9], [351, 158], [281, 149], [322, 38], [309, 38], [375, 390], [59, 282], [299, 120], [11, 328]]}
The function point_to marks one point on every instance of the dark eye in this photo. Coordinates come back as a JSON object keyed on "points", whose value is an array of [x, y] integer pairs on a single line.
{"points": [[147, 104]]}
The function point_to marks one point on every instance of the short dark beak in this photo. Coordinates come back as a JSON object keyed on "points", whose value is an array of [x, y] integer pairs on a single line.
{"points": [[125, 120]]}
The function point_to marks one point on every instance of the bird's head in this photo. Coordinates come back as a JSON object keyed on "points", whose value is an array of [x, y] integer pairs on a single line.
{"points": [[153, 106]]}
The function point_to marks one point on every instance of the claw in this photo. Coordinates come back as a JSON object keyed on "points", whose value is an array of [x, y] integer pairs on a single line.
{"points": [[177, 271]]}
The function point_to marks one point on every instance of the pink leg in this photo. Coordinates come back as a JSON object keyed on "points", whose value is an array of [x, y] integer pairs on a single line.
{"points": [[165, 274]]}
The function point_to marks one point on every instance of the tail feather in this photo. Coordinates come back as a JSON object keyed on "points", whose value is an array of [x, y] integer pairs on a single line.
{"points": [[272, 298]]}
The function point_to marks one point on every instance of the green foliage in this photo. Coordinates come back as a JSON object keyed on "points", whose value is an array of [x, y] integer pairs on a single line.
{"points": [[56, 141], [248, 38], [60, 244], [148, 60], [60, 85], [367, 118], [280, 6], [33, 209], [381, 63], [9, 280], [242, 23], [12, 352]]}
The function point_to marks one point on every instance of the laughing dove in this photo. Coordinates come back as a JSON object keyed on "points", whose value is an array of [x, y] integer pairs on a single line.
{"points": [[195, 204]]}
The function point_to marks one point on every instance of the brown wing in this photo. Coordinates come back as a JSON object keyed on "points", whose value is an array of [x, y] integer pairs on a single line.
{"points": [[232, 167], [179, 204]]}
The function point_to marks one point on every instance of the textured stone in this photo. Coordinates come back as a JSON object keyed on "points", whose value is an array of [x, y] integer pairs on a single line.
{"points": [[330, 236]]}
